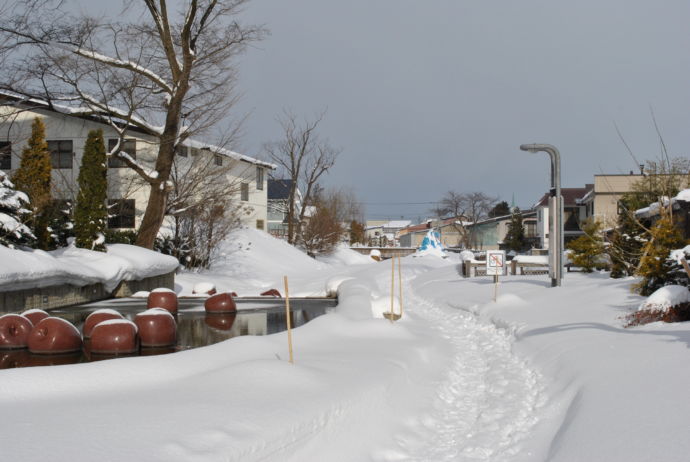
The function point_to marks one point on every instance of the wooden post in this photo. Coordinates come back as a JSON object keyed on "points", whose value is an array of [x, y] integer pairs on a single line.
{"points": [[287, 315], [392, 286], [400, 285]]}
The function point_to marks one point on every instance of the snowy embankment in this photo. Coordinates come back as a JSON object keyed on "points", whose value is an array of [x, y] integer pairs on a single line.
{"points": [[22, 269], [543, 374]]}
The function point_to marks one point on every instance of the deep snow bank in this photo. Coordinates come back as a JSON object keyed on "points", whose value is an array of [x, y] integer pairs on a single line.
{"points": [[23, 269]]}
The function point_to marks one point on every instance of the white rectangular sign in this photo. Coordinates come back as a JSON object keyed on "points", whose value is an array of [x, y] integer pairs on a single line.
{"points": [[495, 262]]}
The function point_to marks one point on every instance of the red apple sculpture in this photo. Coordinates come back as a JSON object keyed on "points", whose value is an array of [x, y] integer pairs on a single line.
{"points": [[14, 331], [157, 328], [54, 336]]}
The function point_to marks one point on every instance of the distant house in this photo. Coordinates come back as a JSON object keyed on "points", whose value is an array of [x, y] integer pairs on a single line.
{"points": [[573, 215], [66, 134], [278, 194], [489, 234], [450, 236], [379, 233]]}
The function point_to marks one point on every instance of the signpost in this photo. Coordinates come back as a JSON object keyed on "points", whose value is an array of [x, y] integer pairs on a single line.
{"points": [[495, 266]]}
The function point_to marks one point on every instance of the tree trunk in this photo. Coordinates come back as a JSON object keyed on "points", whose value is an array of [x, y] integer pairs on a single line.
{"points": [[153, 218]]}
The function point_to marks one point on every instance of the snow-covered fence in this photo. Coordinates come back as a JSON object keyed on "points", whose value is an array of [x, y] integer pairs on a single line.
{"points": [[518, 266]]}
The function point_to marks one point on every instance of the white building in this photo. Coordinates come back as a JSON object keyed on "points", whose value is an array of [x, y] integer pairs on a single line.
{"points": [[384, 233], [127, 194], [573, 215]]}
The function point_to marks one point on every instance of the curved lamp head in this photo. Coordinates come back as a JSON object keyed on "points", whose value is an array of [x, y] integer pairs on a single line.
{"points": [[532, 147]]}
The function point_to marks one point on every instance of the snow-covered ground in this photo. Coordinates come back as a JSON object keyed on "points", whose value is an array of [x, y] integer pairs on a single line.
{"points": [[543, 374]]}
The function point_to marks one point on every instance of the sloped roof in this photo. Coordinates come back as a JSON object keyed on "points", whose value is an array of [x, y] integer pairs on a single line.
{"points": [[86, 113], [571, 196], [279, 189]]}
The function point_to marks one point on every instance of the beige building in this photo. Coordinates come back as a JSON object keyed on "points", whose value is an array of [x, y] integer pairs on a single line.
{"points": [[601, 202], [127, 192]]}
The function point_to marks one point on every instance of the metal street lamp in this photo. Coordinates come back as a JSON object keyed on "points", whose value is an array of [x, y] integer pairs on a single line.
{"points": [[555, 211]]}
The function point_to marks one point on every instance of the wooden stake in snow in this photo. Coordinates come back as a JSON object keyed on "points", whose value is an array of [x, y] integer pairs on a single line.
{"points": [[287, 316], [400, 284], [392, 315]]}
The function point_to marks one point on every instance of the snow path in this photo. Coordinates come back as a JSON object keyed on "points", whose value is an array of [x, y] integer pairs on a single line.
{"points": [[488, 401]]}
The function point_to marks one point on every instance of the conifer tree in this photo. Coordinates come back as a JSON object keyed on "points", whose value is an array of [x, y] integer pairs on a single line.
{"points": [[91, 214], [515, 237], [357, 232], [628, 239], [12, 202], [587, 250], [33, 178], [655, 266]]}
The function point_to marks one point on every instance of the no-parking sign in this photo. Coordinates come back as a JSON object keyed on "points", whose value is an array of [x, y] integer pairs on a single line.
{"points": [[495, 262]]}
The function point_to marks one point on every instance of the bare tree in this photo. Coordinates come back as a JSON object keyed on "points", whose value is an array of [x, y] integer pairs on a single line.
{"points": [[153, 74], [466, 208], [203, 207], [303, 158], [324, 229]]}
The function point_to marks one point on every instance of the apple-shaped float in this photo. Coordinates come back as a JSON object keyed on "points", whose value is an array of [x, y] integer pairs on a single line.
{"points": [[14, 331], [157, 328], [54, 336], [97, 317], [114, 336], [162, 298], [220, 303]]}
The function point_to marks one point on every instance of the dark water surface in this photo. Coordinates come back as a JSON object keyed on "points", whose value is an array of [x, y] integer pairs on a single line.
{"points": [[195, 328]]}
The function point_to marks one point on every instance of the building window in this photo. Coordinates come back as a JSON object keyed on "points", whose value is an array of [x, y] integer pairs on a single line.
{"points": [[130, 147], [121, 213], [5, 155], [244, 191], [195, 152], [181, 150], [260, 179], [218, 159], [60, 153], [260, 224]]}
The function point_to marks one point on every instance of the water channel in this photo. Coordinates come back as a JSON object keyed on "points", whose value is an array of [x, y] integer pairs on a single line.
{"points": [[195, 327]]}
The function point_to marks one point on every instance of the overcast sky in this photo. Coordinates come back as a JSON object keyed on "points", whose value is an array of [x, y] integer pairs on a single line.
{"points": [[424, 96], [427, 96]]}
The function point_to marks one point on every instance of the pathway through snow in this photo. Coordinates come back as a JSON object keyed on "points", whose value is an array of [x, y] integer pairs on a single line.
{"points": [[487, 402]]}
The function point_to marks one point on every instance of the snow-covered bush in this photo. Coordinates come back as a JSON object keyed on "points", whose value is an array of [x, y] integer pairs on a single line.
{"points": [[668, 304], [12, 202], [586, 250]]}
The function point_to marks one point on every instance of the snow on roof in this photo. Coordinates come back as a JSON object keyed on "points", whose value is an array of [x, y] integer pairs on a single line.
{"points": [[90, 112], [228, 153], [397, 224]]}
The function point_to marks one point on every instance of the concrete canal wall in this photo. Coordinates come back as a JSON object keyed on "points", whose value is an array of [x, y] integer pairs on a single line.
{"points": [[58, 296]]}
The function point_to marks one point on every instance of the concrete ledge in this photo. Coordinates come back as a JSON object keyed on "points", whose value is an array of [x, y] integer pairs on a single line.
{"points": [[127, 288], [46, 298]]}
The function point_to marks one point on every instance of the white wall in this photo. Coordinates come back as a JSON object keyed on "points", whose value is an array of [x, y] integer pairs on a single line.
{"points": [[122, 182]]}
